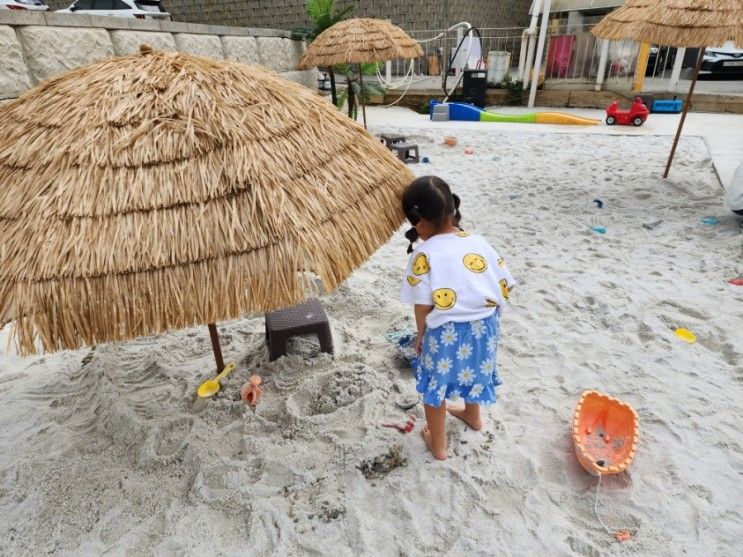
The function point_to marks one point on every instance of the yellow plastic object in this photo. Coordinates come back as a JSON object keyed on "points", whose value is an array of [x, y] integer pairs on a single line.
{"points": [[211, 387], [564, 119], [686, 335]]}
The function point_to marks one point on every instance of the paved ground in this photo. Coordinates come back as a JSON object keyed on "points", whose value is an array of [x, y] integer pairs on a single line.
{"points": [[723, 133]]}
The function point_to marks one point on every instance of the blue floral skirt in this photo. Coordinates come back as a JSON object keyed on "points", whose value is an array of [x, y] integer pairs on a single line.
{"points": [[458, 361]]}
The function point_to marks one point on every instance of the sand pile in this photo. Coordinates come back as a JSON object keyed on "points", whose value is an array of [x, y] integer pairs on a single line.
{"points": [[110, 449]]}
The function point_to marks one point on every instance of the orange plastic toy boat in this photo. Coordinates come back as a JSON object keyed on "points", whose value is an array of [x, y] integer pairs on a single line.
{"points": [[605, 432]]}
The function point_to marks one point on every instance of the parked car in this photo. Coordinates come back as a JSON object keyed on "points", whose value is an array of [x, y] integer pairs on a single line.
{"points": [[660, 59], [719, 63], [37, 5], [140, 9]]}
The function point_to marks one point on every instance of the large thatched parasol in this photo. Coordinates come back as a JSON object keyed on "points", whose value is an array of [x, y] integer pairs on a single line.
{"points": [[159, 191], [359, 40], [680, 23]]}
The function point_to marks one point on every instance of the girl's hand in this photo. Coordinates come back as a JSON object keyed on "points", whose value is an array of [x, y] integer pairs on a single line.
{"points": [[418, 343]]}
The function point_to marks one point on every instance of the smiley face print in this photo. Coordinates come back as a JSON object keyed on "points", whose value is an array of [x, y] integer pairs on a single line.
{"points": [[463, 234], [501, 263], [490, 303], [475, 263], [444, 298], [412, 281], [504, 288], [420, 264]]}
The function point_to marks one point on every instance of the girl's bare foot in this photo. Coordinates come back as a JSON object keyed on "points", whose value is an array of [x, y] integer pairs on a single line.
{"points": [[470, 415], [438, 450]]}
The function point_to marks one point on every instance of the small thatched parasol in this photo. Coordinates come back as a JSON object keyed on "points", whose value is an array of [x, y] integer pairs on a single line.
{"points": [[357, 41], [679, 23], [159, 191]]}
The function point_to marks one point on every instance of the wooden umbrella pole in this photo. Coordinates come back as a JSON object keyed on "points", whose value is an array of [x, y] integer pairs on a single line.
{"points": [[363, 101], [216, 347], [687, 105]]}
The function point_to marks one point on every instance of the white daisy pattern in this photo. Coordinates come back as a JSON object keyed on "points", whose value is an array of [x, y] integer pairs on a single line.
{"points": [[464, 351], [443, 366], [487, 367], [449, 335], [442, 392], [428, 362], [458, 362], [466, 376], [478, 328]]}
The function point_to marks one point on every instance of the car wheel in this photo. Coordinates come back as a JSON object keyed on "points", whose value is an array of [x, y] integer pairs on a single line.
{"points": [[637, 121], [611, 120]]}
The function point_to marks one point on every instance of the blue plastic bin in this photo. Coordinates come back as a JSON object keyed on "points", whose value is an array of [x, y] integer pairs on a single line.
{"points": [[673, 106]]}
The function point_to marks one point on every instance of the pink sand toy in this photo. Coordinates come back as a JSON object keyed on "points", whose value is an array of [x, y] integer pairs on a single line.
{"points": [[251, 392], [407, 427]]}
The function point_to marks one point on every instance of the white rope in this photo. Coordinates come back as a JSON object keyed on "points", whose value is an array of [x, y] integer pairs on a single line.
{"points": [[596, 509]]}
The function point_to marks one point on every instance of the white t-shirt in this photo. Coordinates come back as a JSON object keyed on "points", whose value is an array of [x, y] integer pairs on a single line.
{"points": [[734, 193], [460, 274]]}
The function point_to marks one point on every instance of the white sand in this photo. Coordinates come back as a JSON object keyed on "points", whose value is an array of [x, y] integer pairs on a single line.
{"points": [[118, 454]]}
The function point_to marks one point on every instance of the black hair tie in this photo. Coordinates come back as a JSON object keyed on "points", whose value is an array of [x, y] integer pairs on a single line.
{"points": [[412, 237]]}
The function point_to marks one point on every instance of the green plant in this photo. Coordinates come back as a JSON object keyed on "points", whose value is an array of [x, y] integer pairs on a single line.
{"points": [[424, 108], [354, 86], [514, 91], [323, 15]]}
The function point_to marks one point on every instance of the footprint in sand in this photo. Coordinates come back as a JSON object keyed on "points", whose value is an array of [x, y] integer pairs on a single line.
{"points": [[166, 443]]}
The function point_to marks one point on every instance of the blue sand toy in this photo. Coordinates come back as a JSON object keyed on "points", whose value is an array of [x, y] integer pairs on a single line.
{"points": [[599, 229], [425, 159], [405, 342], [712, 221]]}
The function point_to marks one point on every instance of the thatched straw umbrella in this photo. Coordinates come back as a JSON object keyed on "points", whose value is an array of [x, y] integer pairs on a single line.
{"points": [[357, 41], [680, 23], [159, 191]]}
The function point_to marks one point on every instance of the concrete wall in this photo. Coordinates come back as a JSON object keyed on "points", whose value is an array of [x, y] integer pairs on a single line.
{"points": [[289, 14], [35, 46]]}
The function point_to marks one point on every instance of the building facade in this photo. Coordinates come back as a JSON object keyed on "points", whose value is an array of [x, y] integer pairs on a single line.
{"points": [[411, 15]]}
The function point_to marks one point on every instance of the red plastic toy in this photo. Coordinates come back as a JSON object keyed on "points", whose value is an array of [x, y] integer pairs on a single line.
{"points": [[635, 116]]}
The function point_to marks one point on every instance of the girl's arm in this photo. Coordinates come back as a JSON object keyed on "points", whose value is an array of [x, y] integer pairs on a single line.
{"points": [[421, 311]]}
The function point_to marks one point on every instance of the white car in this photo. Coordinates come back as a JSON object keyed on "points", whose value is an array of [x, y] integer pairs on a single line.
{"points": [[140, 9], [37, 5]]}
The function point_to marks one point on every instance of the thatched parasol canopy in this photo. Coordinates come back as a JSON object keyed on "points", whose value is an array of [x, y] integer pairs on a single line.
{"points": [[687, 23], [360, 40], [159, 191]]}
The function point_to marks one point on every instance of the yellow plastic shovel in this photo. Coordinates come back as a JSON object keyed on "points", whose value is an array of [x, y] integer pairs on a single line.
{"points": [[211, 387]]}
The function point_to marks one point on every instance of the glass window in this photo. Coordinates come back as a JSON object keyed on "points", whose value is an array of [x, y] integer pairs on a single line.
{"points": [[84, 5], [103, 5], [119, 5]]}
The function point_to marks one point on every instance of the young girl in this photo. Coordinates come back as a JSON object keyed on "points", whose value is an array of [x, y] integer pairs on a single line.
{"points": [[458, 284]]}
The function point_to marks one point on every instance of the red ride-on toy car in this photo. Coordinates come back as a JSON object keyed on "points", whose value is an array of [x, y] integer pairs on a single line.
{"points": [[635, 116]]}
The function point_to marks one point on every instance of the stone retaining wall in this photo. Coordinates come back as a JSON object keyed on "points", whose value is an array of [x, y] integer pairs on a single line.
{"points": [[35, 46]]}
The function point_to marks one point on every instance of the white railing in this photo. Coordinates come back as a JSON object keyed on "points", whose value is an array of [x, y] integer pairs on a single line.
{"points": [[572, 56]]}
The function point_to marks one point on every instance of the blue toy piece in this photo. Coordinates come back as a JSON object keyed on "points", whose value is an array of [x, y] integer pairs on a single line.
{"points": [[711, 221], [669, 106], [405, 342], [599, 203], [425, 160], [599, 229]]}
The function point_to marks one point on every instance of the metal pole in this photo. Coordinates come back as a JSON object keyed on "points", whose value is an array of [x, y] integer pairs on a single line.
{"points": [[687, 105], [216, 347], [603, 59], [540, 52], [361, 87], [673, 83]]}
